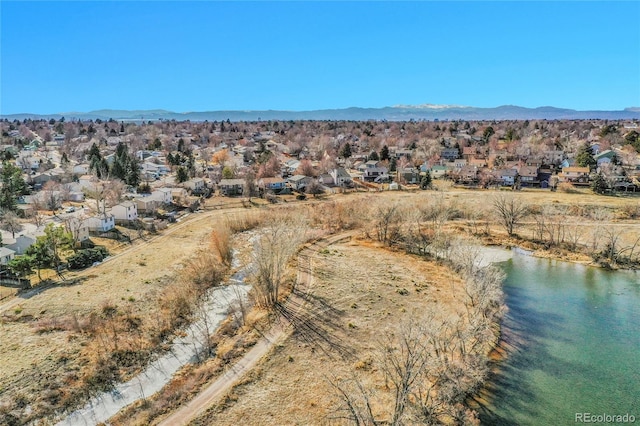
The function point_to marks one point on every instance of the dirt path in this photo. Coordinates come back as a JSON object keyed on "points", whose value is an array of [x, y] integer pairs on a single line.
{"points": [[278, 332]]}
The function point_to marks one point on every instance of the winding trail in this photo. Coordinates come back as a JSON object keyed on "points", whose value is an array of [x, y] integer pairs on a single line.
{"points": [[277, 333]]}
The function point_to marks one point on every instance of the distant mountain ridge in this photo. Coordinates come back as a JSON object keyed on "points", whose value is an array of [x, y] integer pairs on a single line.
{"points": [[394, 113]]}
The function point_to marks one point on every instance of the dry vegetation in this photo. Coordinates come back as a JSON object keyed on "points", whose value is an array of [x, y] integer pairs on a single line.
{"points": [[363, 295], [409, 285], [72, 341]]}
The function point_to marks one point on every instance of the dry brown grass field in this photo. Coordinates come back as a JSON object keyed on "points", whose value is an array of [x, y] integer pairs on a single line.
{"points": [[360, 294], [43, 332]]}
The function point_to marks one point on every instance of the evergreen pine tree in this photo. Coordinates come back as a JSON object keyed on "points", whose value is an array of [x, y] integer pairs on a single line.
{"points": [[384, 153], [585, 156]]}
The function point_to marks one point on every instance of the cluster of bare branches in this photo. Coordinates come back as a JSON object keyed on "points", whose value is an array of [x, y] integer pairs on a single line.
{"points": [[432, 367], [428, 368], [510, 211], [273, 250]]}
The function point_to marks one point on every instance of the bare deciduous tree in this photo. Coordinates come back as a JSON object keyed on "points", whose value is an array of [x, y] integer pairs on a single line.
{"points": [[510, 211], [356, 404], [387, 221], [272, 252], [11, 223], [404, 360]]}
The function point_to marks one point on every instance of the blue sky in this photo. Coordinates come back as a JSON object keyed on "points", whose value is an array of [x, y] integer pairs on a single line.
{"points": [[209, 55]]}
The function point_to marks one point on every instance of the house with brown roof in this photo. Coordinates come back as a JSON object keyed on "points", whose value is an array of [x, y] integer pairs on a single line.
{"points": [[575, 175], [529, 175], [275, 184]]}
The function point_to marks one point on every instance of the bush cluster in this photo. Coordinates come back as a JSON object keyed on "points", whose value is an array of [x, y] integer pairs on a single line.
{"points": [[87, 257]]}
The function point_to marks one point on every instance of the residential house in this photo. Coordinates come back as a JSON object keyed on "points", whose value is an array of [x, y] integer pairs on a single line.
{"points": [[27, 160], [196, 185], [553, 156], [78, 227], [148, 204], [163, 195], [575, 175], [42, 178], [544, 176], [567, 163], [179, 194], [605, 157], [6, 255], [458, 163], [450, 153], [125, 212], [21, 244], [231, 187], [478, 162], [374, 171], [101, 223], [409, 175], [299, 182], [275, 184], [528, 175], [402, 152], [340, 177], [290, 166], [469, 152], [88, 182], [534, 162], [466, 175], [507, 177], [51, 200], [144, 154], [80, 169], [438, 171], [326, 179]]}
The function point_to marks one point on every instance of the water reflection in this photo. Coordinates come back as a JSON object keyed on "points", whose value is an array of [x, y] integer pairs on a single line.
{"points": [[572, 345]]}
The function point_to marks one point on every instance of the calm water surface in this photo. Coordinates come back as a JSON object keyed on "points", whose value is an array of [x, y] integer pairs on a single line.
{"points": [[573, 334]]}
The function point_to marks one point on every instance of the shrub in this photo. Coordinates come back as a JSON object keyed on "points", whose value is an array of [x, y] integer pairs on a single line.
{"points": [[567, 188], [85, 258]]}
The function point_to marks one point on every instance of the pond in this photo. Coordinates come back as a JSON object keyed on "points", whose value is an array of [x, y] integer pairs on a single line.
{"points": [[572, 344]]}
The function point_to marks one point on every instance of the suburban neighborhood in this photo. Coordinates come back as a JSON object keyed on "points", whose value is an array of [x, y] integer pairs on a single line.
{"points": [[106, 179]]}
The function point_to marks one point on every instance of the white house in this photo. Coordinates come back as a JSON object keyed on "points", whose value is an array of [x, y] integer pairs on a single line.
{"points": [[195, 184], [101, 223], [78, 228], [6, 255], [340, 177], [125, 211], [163, 195]]}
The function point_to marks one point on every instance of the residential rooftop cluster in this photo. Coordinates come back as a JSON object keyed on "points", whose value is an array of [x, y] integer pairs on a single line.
{"points": [[91, 176]]}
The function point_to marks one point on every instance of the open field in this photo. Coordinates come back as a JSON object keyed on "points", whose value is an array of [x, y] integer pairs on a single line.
{"points": [[45, 329], [360, 294]]}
